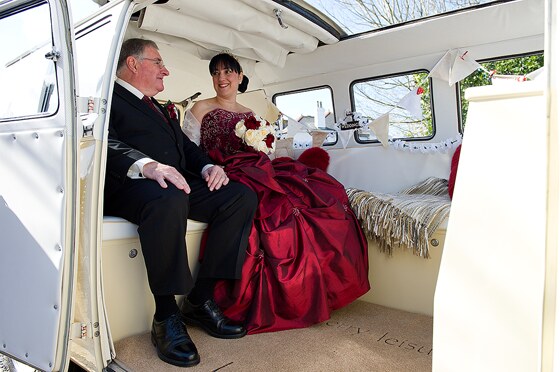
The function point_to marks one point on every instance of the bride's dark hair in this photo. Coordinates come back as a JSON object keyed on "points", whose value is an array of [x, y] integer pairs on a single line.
{"points": [[226, 60]]}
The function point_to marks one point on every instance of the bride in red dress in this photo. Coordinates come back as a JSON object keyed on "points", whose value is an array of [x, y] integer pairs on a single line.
{"points": [[307, 254]]}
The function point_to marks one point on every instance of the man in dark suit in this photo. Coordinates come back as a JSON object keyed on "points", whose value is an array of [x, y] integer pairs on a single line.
{"points": [[157, 178]]}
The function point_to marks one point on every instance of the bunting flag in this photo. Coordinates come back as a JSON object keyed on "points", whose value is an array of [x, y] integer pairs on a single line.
{"points": [[412, 102], [442, 69], [454, 66], [344, 136], [380, 127], [318, 137], [463, 66], [294, 127], [537, 74]]}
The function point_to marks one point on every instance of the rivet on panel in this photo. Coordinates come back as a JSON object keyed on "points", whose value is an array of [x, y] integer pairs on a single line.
{"points": [[14, 137], [60, 189], [36, 135], [50, 364], [26, 355], [60, 133], [103, 110], [434, 242], [4, 346], [97, 334], [96, 325], [58, 247], [133, 253], [56, 307], [104, 101]]}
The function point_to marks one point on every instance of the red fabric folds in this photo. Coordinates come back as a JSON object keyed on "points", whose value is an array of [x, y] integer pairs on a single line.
{"points": [[453, 172], [307, 254]]}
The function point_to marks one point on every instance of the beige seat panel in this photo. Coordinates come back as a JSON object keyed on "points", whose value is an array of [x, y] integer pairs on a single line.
{"points": [[128, 298]]}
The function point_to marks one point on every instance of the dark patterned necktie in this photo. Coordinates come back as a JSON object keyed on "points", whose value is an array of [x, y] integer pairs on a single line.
{"points": [[150, 103]]}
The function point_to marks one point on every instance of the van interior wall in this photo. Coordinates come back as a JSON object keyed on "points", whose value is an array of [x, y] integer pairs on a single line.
{"points": [[420, 46], [375, 168], [506, 29]]}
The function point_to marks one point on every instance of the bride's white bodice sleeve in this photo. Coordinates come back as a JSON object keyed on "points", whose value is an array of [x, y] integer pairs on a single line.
{"points": [[191, 127]]}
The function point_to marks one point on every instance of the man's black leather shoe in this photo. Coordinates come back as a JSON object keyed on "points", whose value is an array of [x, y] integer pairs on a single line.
{"points": [[173, 343], [211, 319]]}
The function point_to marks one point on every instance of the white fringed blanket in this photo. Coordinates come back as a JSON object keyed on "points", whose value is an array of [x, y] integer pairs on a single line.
{"points": [[406, 219]]}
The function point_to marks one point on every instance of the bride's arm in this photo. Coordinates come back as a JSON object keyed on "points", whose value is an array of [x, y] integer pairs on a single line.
{"points": [[191, 127]]}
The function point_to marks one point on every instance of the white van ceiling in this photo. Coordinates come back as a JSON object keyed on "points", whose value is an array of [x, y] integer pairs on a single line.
{"points": [[246, 28], [190, 32], [272, 51]]}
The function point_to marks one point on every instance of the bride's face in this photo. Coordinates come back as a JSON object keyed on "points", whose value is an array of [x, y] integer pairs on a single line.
{"points": [[226, 81]]}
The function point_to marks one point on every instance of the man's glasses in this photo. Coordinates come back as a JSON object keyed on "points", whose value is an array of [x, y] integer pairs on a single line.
{"points": [[156, 61]]}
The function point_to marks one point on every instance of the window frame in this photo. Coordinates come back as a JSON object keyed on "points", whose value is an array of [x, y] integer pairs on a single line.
{"points": [[302, 90], [46, 97], [385, 76], [460, 124]]}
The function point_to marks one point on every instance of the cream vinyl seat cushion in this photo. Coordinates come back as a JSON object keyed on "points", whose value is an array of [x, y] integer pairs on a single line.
{"points": [[115, 228]]}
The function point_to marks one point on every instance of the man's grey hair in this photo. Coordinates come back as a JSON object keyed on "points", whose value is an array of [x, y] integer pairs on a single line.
{"points": [[135, 48]]}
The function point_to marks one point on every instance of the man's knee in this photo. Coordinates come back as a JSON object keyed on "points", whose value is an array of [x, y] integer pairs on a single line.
{"points": [[253, 200], [172, 200], [247, 197]]}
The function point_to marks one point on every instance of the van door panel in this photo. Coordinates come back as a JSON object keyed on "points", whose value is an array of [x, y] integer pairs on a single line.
{"points": [[37, 191]]}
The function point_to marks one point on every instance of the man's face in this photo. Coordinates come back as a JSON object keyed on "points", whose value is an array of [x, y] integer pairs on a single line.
{"points": [[151, 72]]}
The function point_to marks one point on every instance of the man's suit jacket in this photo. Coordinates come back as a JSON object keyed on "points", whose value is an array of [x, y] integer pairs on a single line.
{"points": [[136, 131]]}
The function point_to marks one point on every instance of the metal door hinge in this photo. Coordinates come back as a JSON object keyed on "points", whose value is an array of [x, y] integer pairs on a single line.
{"points": [[80, 331], [90, 105], [89, 109], [53, 55]]}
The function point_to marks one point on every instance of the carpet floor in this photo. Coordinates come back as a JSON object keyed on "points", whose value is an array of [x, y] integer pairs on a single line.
{"points": [[359, 337]]}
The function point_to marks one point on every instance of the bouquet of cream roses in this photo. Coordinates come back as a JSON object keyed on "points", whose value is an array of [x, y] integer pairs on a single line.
{"points": [[257, 133]]}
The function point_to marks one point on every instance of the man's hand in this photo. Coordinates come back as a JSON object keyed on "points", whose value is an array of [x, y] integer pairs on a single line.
{"points": [[161, 172], [215, 177]]}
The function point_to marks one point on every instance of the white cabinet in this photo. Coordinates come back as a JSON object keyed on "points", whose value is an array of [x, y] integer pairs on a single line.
{"points": [[488, 305]]}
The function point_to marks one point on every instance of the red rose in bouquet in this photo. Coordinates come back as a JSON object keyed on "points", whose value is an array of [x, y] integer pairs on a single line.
{"points": [[257, 133]]}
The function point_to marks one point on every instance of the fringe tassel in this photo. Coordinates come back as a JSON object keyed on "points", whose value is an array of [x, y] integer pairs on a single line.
{"points": [[406, 219]]}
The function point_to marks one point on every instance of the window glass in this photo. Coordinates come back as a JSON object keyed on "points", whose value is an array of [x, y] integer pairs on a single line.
{"points": [[406, 98], [28, 77], [83, 8], [304, 111], [92, 66], [506, 70], [357, 16]]}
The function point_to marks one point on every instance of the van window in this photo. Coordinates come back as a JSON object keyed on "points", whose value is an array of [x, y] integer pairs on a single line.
{"points": [[83, 8], [507, 70], [28, 77], [311, 109], [376, 97], [358, 16]]}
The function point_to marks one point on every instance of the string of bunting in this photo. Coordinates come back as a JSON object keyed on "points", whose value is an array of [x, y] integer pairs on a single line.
{"points": [[346, 128], [427, 148], [453, 67]]}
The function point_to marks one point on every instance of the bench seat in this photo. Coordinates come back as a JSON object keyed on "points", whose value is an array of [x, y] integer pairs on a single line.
{"points": [[115, 228], [403, 280]]}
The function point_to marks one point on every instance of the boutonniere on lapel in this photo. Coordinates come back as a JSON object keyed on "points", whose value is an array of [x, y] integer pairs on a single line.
{"points": [[172, 110]]}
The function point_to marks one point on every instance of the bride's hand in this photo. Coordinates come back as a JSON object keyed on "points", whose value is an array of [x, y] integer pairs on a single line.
{"points": [[215, 177]]}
